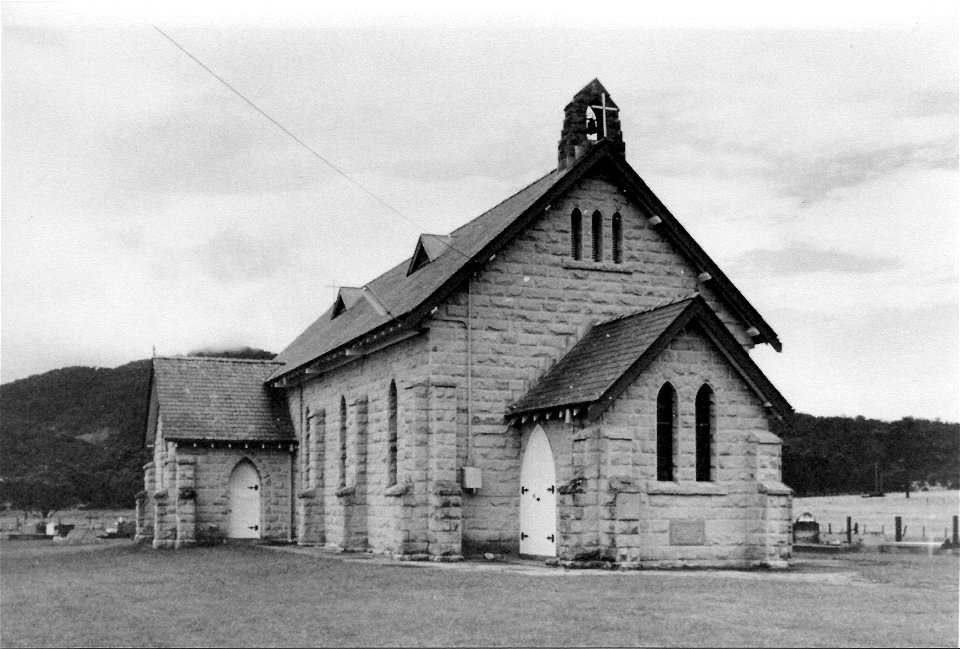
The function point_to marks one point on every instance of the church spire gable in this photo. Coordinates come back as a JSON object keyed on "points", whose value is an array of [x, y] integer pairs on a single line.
{"points": [[592, 116]]}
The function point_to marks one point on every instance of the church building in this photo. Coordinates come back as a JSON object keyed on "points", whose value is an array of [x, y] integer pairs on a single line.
{"points": [[564, 377]]}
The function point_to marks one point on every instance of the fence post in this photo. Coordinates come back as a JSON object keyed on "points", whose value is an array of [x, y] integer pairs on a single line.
{"points": [[899, 532], [849, 529], [956, 540]]}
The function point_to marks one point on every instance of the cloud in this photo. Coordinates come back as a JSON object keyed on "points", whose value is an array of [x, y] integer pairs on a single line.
{"points": [[887, 363], [235, 257], [211, 143], [802, 258], [935, 101], [820, 176]]}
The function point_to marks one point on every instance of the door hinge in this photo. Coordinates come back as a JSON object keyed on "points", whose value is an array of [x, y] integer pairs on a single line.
{"points": [[524, 536], [523, 490], [254, 527], [551, 489], [550, 538], [255, 487]]}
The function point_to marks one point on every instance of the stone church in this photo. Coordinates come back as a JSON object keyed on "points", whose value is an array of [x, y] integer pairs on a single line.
{"points": [[566, 377]]}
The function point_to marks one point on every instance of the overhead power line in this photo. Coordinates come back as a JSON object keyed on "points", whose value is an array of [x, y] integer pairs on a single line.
{"points": [[296, 139]]}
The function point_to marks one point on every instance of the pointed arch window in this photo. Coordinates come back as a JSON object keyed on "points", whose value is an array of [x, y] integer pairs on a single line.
{"points": [[392, 435], [343, 442], [597, 236], [576, 234], [616, 238], [666, 429], [307, 451], [705, 425]]}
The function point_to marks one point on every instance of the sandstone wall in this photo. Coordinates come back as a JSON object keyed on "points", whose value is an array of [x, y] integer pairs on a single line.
{"points": [[612, 506], [530, 304], [360, 510], [526, 308]]}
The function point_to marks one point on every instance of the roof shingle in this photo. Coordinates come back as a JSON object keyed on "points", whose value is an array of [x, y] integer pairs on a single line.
{"points": [[216, 399]]}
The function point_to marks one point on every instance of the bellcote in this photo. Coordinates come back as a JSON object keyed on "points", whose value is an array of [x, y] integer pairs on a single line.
{"points": [[590, 117]]}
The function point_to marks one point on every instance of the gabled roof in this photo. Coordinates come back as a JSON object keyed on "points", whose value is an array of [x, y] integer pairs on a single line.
{"points": [[347, 296], [219, 399], [429, 247], [610, 357], [409, 298]]}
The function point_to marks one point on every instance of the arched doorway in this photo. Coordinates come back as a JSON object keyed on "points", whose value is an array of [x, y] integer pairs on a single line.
{"points": [[244, 487], [538, 497]]}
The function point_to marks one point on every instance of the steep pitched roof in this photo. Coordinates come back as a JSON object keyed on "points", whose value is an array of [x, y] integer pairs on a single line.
{"points": [[409, 298], [613, 354], [219, 399]]}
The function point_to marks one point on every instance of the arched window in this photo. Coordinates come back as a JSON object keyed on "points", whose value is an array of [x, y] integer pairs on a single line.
{"points": [[597, 237], [306, 451], [616, 229], [392, 435], [705, 432], [343, 442], [666, 425], [576, 235]]}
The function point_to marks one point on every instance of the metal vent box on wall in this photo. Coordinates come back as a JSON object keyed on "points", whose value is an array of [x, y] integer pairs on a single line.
{"points": [[470, 477]]}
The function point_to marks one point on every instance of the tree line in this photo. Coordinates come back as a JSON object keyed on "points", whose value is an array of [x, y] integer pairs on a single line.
{"points": [[848, 455]]}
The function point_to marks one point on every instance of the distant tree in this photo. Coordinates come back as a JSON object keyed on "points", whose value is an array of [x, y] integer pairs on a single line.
{"points": [[46, 491], [251, 353]]}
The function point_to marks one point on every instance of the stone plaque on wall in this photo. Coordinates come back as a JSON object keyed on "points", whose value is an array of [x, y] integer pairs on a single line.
{"points": [[687, 532]]}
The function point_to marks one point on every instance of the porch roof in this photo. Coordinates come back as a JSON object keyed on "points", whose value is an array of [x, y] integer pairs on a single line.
{"points": [[596, 371]]}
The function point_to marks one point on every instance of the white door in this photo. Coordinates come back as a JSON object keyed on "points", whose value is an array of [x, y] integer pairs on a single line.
{"points": [[538, 497], [244, 522]]}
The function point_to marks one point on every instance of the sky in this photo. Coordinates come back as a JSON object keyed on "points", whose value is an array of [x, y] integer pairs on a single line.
{"points": [[145, 206]]}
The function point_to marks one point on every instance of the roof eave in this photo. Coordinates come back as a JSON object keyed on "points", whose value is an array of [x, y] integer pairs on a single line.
{"points": [[697, 255], [700, 311]]}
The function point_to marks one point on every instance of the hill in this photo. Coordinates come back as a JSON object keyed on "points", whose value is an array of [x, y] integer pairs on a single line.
{"points": [[74, 435]]}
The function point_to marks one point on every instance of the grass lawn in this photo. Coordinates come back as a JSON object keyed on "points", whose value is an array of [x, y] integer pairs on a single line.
{"points": [[241, 596]]}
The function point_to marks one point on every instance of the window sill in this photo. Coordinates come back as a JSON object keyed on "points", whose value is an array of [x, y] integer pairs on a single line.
{"points": [[774, 488], [601, 266], [346, 491], [307, 494], [656, 487], [396, 490]]}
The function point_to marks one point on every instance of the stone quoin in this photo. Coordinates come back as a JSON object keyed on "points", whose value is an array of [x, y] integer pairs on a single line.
{"points": [[565, 377]]}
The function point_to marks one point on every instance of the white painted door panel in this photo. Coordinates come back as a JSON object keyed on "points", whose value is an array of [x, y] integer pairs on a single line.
{"points": [[244, 487], [538, 497]]}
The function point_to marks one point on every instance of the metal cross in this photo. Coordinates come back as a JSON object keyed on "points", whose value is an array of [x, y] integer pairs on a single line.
{"points": [[604, 108]]}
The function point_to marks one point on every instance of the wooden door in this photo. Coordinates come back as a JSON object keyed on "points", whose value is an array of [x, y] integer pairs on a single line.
{"points": [[538, 497], [244, 487]]}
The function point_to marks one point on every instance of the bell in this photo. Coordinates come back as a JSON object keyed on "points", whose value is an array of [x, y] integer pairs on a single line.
{"points": [[591, 126]]}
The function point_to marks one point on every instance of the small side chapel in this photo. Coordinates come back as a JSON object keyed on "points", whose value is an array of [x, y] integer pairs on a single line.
{"points": [[564, 377]]}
